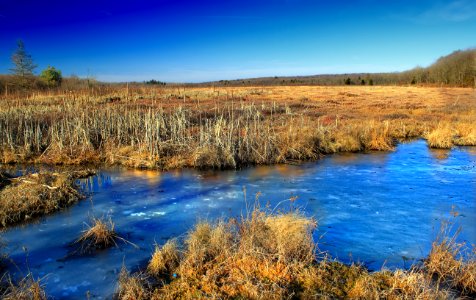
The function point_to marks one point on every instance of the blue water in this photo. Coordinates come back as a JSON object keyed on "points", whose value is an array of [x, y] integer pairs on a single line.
{"points": [[380, 209]]}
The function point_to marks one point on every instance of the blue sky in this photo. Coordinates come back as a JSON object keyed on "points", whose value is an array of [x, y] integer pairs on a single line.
{"points": [[181, 41]]}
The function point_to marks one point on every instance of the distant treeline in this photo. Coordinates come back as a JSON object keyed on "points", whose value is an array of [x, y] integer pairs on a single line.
{"points": [[456, 69]]}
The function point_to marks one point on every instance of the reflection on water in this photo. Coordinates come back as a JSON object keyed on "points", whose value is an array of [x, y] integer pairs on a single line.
{"points": [[379, 208], [440, 154], [151, 177]]}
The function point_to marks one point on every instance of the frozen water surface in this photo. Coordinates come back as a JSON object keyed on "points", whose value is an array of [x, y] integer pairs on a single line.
{"points": [[378, 209]]}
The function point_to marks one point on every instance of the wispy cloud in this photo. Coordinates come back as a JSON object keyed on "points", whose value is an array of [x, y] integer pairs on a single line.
{"points": [[453, 11]]}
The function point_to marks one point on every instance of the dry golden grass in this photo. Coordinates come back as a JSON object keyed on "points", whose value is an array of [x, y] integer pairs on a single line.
{"points": [[466, 279], [99, 235], [228, 127], [132, 287], [165, 259], [466, 135], [33, 195], [266, 256], [27, 289], [441, 137], [453, 264]]}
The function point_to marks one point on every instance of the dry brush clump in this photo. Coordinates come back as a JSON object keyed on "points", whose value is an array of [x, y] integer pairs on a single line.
{"points": [[273, 256], [28, 288], [165, 259], [441, 137], [133, 287], [453, 263], [99, 235], [33, 195]]}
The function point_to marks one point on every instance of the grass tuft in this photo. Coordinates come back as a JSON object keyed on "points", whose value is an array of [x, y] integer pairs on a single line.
{"points": [[27, 289], [441, 137], [132, 287], [165, 259], [453, 264], [100, 235], [466, 279]]}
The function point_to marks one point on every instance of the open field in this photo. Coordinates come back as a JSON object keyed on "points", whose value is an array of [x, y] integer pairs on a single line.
{"points": [[166, 128]]}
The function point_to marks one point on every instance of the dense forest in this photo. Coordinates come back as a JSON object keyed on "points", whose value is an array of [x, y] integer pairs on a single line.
{"points": [[455, 69]]}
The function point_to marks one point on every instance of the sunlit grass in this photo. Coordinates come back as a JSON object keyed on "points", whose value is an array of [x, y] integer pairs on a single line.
{"points": [[169, 128], [99, 235], [27, 197], [273, 256]]}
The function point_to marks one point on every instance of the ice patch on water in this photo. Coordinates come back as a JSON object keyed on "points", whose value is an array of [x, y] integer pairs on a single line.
{"points": [[148, 216], [71, 289], [345, 204], [139, 214]]}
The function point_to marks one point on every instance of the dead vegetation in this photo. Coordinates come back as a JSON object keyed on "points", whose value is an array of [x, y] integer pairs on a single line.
{"points": [[441, 137], [28, 288], [267, 256], [165, 259], [33, 195], [452, 263], [98, 236], [227, 127]]}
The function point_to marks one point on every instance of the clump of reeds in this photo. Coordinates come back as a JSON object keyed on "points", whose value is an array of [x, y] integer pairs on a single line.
{"points": [[33, 195], [453, 264], [133, 287], [165, 259], [466, 135], [443, 259], [466, 279], [233, 259], [99, 235], [273, 256], [27, 289], [441, 137]]}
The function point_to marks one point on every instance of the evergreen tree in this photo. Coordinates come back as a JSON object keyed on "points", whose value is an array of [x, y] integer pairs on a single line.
{"points": [[23, 63], [51, 76]]}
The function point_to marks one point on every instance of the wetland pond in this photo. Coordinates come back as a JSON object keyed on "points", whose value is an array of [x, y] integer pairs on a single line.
{"points": [[380, 209]]}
